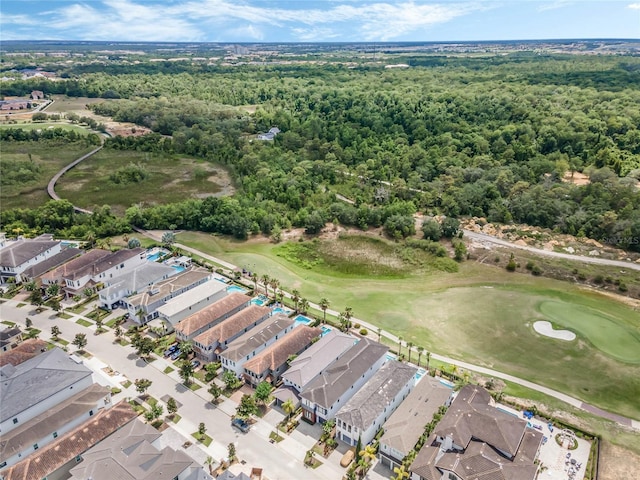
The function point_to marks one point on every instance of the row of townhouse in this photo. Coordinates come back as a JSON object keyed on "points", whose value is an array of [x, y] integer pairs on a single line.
{"points": [[18, 256]]}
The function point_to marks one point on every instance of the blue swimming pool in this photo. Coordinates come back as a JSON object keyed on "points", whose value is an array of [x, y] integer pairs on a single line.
{"points": [[302, 320], [390, 356], [325, 330], [154, 257], [446, 383], [420, 373], [178, 268], [235, 288], [259, 300], [284, 310]]}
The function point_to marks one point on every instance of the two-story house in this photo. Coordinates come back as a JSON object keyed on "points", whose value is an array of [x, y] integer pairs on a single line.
{"points": [[326, 394], [18, 256], [192, 301], [249, 344], [269, 364], [199, 322], [42, 398], [365, 413], [476, 440], [57, 275], [211, 342]]}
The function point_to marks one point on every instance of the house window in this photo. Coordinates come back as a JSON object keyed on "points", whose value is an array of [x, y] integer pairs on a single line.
{"points": [[35, 446], [78, 459], [15, 420], [55, 434], [91, 413]]}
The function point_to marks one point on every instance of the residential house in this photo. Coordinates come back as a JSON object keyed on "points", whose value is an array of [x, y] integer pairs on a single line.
{"points": [[249, 344], [199, 322], [34, 272], [192, 301], [137, 280], [476, 440], [309, 364], [58, 274], [325, 395], [404, 428], [365, 413], [17, 104], [142, 307], [270, 135], [134, 452], [18, 256], [211, 342], [37, 95], [269, 365], [54, 461], [99, 273], [43, 398], [10, 338], [26, 350]]}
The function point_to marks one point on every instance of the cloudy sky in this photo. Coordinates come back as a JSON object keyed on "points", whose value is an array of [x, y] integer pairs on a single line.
{"points": [[317, 20]]}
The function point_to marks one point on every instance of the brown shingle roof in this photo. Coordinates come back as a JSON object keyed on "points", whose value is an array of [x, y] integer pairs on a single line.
{"points": [[211, 313], [23, 352], [276, 354], [50, 458], [66, 269], [106, 262], [232, 325]]}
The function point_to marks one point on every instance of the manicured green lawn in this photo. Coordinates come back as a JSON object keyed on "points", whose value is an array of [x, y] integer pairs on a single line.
{"points": [[481, 314], [204, 439], [616, 339], [84, 323]]}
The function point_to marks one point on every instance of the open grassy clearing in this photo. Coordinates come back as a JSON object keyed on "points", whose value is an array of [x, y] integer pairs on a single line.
{"points": [[64, 104], [45, 125], [482, 314], [167, 179], [49, 156]]}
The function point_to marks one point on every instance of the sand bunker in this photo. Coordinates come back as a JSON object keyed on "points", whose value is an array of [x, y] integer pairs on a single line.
{"points": [[545, 328]]}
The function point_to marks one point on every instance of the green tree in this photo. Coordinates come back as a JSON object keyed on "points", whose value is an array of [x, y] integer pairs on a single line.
{"points": [[53, 289], [304, 305], [400, 473], [133, 243], [263, 392], [230, 380], [420, 351], [212, 370], [144, 346], [118, 332], [172, 406], [295, 296], [288, 407], [55, 332], [186, 349], [87, 292], [254, 278], [154, 413], [168, 239], [431, 230], [511, 266], [409, 347], [247, 407], [450, 227], [35, 297], [428, 357], [202, 429], [80, 341], [142, 385], [215, 392], [265, 282], [324, 305], [231, 450], [186, 372], [28, 322], [460, 251]]}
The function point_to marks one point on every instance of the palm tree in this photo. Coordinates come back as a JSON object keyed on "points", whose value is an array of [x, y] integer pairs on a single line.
{"points": [[288, 407], [420, 350], [265, 282], [379, 334], [348, 314], [209, 463], [428, 357], [304, 305], [90, 238], [254, 277], [409, 347], [400, 473], [186, 348], [399, 347], [324, 304], [295, 296], [368, 453], [275, 284]]}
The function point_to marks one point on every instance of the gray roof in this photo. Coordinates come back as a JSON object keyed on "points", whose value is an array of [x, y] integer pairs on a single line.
{"points": [[376, 394], [164, 288], [231, 326], [212, 313], [66, 269], [128, 454], [227, 475], [29, 383], [52, 262], [17, 253], [341, 374], [258, 335], [51, 420], [406, 425], [140, 277], [192, 297], [317, 357], [105, 263], [8, 333]]}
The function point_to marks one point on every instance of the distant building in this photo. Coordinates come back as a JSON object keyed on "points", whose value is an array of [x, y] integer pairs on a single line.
{"points": [[37, 95], [270, 135], [10, 338], [8, 105], [26, 350], [18, 256], [192, 301]]}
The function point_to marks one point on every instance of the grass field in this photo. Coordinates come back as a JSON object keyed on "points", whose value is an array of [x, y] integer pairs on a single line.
{"points": [[50, 156], [480, 314], [45, 125], [169, 179], [64, 104]]}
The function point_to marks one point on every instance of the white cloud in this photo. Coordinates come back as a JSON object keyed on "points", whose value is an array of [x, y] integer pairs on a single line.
{"points": [[554, 5], [247, 32], [634, 6], [314, 34]]}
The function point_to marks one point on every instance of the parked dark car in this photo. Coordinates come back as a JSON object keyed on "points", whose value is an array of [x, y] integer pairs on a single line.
{"points": [[173, 348], [240, 425], [195, 363], [175, 355]]}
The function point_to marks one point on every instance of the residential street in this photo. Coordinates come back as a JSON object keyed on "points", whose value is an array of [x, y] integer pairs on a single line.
{"points": [[282, 460]]}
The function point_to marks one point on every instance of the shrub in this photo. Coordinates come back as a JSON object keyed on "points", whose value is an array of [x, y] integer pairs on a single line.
{"points": [[530, 265], [622, 287], [363, 332], [536, 270], [582, 277], [598, 279]]}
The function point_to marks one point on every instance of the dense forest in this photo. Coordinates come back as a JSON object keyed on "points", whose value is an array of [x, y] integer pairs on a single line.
{"points": [[492, 137]]}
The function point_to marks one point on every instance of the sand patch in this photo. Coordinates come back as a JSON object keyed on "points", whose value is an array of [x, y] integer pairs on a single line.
{"points": [[545, 328]]}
